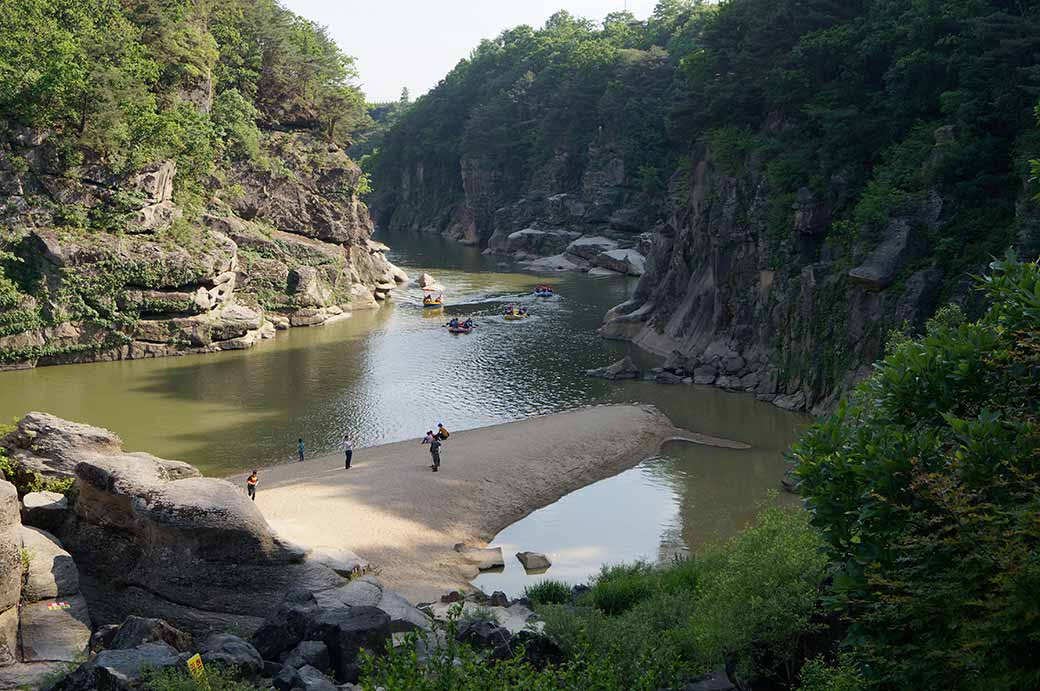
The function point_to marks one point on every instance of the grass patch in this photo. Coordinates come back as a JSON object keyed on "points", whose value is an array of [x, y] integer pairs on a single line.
{"points": [[548, 592]]}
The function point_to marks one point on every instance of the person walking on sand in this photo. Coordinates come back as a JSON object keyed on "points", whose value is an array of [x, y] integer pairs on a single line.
{"points": [[300, 449], [251, 485], [435, 449], [348, 449]]}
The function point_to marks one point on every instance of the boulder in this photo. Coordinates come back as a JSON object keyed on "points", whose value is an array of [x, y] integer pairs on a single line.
{"points": [[498, 599], [313, 653], [881, 266], [628, 262], [342, 561], [557, 262], [135, 631], [425, 280], [539, 242], [52, 573], [589, 246], [794, 401], [118, 670], [484, 559], [45, 510], [55, 629], [52, 446], [368, 591], [622, 369], [10, 546], [233, 652], [347, 632], [287, 679], [533, 561], [312, 679], [483, 635], [668, 378], [284, 630], [152, 538]]}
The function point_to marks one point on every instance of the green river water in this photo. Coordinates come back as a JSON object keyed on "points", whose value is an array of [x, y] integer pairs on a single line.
{"points": [[391, 374]]}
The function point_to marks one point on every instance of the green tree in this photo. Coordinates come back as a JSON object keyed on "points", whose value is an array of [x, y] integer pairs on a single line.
{"points": [[924, 486]]}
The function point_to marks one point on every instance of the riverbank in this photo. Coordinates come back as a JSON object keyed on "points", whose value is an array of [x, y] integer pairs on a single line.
{"points": [[402, 518]]}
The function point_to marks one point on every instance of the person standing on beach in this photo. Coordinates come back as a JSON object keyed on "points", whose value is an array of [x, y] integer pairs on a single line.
{"points": [[251, 485], [435, 449], [348, 449], [300, 448]]}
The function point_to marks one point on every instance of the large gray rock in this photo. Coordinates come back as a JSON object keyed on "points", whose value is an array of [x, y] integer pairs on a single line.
{"points": [[622, 369], [232, 652], [119, 670], [55, 629], [589, 246], [533, 561], [880, 267], [368, 591], [312, 679], [628, 262], [52, 573], [52, 446], [484, 558], [342, 561], [539, 242], [313, 653], [10, 571], [152, 538], [44, 510], [347, 632], [135, 631]]}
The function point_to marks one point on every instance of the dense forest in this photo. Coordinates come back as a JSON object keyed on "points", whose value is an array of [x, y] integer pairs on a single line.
{"points": [[804, 176], [150, 155]]}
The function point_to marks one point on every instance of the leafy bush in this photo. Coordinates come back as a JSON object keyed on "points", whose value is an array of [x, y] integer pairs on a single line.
{"points": [[924, 486], [458, 667], [620, 587], [817, 675], [548, 592], [752, 601], [757, 596]]}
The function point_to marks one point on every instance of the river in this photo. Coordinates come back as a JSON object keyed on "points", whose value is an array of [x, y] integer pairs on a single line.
{"points": [[391, 374]]}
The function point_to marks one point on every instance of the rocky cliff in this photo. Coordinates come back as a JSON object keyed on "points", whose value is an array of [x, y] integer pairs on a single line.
{"points": [[103, 266], [795, 318]]}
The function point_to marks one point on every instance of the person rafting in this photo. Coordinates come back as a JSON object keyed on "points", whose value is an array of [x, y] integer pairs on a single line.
{"points": [[469, 323], [454, 323], [428, 299]]}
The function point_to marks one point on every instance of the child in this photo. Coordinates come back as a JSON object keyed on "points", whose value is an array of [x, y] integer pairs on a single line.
{"points": [[299, 449], [251, 485]]}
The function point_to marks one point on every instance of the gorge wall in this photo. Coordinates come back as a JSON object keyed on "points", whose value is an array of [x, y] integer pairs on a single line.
{"points": [[795, 182], [159, 202]]}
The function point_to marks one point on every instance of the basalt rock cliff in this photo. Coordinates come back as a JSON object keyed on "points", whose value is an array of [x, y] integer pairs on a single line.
{"points": [[796, 319]]}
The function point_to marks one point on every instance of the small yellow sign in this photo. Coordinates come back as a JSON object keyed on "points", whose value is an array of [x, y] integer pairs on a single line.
{"points": [[198, 672]]}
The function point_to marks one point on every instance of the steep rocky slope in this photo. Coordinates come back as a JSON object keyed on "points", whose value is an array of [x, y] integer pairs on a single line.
{"points": [[287, 250], [162, 196], [795, 320]]}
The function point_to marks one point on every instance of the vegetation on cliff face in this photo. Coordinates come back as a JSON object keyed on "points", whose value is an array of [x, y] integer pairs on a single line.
{"points": [[141, 81], [141, 142]]}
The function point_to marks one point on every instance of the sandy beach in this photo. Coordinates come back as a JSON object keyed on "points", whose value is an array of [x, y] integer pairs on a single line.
{"points": [[393, 511]]}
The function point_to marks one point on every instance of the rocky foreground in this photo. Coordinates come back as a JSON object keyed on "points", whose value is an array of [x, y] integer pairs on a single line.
{"points": [[144, 563]]}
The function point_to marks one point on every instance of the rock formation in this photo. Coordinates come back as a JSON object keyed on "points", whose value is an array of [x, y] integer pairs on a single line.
{"points": [[287, 249], [794, 319]]}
